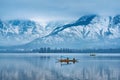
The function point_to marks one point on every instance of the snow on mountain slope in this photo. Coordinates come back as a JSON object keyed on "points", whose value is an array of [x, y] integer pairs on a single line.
{"points": [[91, 31], [84, 20], [14, 32]]}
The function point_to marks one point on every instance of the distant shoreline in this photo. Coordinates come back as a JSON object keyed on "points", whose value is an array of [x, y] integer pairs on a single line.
{"points": [[48, 54]]}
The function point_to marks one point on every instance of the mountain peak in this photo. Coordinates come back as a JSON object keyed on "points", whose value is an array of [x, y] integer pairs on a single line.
{"points": [[24, 23], [89, 31], [85, 20], [116, 19]]}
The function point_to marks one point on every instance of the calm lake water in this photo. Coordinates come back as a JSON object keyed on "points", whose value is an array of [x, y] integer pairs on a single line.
{"points": [[48, 67]]}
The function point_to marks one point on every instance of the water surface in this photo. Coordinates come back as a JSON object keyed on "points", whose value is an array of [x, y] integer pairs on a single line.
{"points": [[47, 67]]}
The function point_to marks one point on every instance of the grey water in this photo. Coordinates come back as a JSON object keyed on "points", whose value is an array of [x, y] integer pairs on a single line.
{"points": [[47, 67]]}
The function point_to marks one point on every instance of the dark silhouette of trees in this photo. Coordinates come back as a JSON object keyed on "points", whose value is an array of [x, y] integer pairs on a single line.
{"points": [[67, 50], [60, 50]]}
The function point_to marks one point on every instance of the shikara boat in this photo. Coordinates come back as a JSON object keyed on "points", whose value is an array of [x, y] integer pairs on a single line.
{"points": [[67, 60]]}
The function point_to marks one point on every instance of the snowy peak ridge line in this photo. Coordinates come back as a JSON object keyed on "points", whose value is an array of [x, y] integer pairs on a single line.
{"points": [[87, 29], [116, 20], [84, 20], [90, 27], [15, 32], [22, 25]]}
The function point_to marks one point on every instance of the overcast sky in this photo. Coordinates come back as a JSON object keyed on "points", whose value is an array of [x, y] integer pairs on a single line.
{"points": [[56, 9]]}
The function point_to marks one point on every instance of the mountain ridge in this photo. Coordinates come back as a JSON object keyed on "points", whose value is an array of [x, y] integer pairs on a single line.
{"points": [[89, 31]]}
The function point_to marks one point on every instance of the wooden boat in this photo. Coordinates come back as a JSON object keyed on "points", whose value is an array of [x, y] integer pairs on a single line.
{"points": [[67, 60], [92, 54]]}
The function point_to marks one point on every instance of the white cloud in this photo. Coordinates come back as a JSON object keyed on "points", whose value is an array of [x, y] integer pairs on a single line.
{"points": [[56, 8]]}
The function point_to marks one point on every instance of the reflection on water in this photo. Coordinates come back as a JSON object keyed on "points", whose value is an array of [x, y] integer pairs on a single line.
{"points": [[47, 68]]}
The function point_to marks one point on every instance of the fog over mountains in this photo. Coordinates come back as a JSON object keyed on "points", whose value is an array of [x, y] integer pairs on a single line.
{"points": [[89, 31]]}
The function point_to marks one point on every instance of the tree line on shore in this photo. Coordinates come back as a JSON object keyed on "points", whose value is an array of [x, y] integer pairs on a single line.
{"points": [[67, 50], [60, 50]]}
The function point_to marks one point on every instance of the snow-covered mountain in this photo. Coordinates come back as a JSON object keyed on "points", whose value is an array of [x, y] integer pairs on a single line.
{"points": [[89, 31], [16, 32]]}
